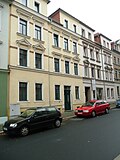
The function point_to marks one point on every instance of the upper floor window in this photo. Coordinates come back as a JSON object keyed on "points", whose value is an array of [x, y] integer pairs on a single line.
{"points": [[23, 26], [23, 57], [105, 58], [85, 51], [67, 67], [93, 72], [37, 7], [66, 23], [107, 45], [75, 68], [38, 32], [56, 40], [74, 47], [106, 75], [74, 28], [83, 32], [118, 61], [109, 60], [98, 73], [89, 36], [38, 91], [97, 56], [38, 60], [86, 70], [114, 60], [24, 2], [0, 19], [56, 65], [65, 44], [92, 54], [23, 91]]}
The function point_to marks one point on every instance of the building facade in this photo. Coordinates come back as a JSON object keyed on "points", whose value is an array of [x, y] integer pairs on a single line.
{"points": [[4, 50]]}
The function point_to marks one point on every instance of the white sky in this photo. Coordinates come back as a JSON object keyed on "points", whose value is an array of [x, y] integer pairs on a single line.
{"points": [[101, 15]]}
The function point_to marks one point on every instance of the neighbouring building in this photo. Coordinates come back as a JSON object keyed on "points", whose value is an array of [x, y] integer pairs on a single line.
{"points": [[4, 50], [116, 64]]}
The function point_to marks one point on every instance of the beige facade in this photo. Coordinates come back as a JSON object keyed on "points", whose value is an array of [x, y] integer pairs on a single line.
{"points": [[38, 84]]}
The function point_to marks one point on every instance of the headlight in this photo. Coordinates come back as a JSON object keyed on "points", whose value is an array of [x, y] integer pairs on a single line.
{"points": [[85, 111], [13, 125]]}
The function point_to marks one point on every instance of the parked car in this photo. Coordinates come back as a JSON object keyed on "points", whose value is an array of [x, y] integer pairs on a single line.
{"points": [[93, 108], [33, 118], [118, 103]]}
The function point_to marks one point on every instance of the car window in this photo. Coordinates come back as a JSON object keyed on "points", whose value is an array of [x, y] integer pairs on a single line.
{"points": [[27, 113], [40, 112], [51, 110], [103, 102], [98, 103]]}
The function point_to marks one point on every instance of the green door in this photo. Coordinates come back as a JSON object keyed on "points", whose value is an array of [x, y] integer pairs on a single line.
{"points": [[67, 101]]}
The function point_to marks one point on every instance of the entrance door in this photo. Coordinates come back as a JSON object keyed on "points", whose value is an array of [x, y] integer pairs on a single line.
{"points": [[67, 101], [87, 94]]}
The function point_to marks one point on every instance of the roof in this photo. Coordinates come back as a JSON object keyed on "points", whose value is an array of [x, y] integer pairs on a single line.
{"points": [[61, 10], [100, 34]]}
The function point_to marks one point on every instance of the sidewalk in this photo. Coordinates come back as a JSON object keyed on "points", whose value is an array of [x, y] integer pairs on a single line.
{"points": [[66, 115]]}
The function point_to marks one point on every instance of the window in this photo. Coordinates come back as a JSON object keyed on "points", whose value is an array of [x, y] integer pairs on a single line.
{"points": [[106, 74], [56, 42], [86, 70], [97, 56], [109, 60], [66, 24], [104, 43], [38, 32], [67, 67], [24, 2], [23, 26], [36, 7], [75, 47], [83, 32], [23, 57], [93, 72], [111, 76], [77, 96], [112, 93], [66, 44], [107, 45], [38, 92], [89, 36], [116, 75], [76, 68], [74, 28], [118, 61], [114, 60], [57, 92], [98, 73], [105, 58], [92, 54], [56, 65], [108, 93], [85, 51], [22, 91], [0, 19], [38, 60], [118, 91]]}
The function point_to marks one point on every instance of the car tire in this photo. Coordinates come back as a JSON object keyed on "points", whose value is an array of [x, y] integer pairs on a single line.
{"points": [[93, 114], [24, 131], [57, 123], [106, 110]]}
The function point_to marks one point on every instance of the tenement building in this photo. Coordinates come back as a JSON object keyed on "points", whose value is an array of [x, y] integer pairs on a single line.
{"points": [[55, 60]]}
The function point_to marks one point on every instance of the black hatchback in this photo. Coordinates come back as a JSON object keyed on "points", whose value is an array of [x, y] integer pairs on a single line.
{"points": [[33, 118]]}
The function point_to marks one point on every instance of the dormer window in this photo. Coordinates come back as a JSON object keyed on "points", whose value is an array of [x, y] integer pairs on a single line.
{"points": [[37, 7], [24, 2], [66, 23]]}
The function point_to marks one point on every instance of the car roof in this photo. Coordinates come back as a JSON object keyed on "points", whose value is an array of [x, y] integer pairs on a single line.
{"points": [[35, 108], [94, 100]]}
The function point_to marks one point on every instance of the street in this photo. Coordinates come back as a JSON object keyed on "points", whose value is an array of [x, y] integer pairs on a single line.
{"points": [[77, 139]]}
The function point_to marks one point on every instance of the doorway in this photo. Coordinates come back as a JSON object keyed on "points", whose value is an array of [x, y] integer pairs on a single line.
{"points": [[67, 100], [87, 94]]}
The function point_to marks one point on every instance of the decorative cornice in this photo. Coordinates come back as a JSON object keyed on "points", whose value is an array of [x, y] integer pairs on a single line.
{"points": [[24, 13]]}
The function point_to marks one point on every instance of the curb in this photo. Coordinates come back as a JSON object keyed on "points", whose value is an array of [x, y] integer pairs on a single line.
{"points": [[67, 118]]}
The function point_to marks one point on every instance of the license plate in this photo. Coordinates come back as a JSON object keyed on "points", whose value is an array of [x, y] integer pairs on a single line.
{"points": [[5, 129]]}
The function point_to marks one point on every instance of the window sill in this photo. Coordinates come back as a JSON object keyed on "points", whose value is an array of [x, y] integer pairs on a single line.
{"points": [[56, 47], [37, 40], [22, 35], [66, 51]]}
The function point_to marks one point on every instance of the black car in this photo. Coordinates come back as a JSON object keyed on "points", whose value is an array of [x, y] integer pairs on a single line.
{"points": [[33, 118]]}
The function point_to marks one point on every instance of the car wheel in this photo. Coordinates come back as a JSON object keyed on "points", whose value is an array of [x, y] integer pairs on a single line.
{"points": [[93, 114], [106, 110], [24, 131], [57, 123]]}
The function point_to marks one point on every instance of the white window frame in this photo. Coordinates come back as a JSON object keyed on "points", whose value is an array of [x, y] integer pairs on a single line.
{"points": [[39, 5], [42, 61], [54, 92], [41, 31], [27, 91], [27, 57], [35, 91]]}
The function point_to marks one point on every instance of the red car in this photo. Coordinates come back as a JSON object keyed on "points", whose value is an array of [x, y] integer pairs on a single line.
{"points": [[93, 108]]}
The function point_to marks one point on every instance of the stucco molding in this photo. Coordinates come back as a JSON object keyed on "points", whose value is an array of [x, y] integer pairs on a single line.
{"points": [[76, 58], [38, 20], [23, 42], [24, 13], [39, 47]]}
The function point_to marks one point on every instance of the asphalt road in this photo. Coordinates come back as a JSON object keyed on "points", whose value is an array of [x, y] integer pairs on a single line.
{"points": [[78, 139]]}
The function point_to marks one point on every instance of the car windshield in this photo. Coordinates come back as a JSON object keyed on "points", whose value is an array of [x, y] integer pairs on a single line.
{"points": [[27, 113], [88, 104]]}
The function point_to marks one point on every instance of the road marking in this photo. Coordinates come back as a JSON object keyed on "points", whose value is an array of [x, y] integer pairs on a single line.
{"points": [[117, 158]]}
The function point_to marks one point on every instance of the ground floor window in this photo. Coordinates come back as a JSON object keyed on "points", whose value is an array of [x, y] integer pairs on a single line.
{"points": [[22, 91], [38, 91], [57, 92], [77, 94]]}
